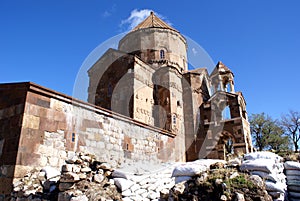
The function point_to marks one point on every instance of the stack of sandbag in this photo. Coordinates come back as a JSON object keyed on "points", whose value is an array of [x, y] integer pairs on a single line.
{"points": [[186, 171], [292, 170], [269, 167]]}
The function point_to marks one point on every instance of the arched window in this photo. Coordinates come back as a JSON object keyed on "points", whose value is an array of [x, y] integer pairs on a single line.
{"points": [[162, 54], [228, 87], [229, 146], [226, 113]]}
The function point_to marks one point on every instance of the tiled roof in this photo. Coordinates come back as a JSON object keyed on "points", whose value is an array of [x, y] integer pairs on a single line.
{"points": [[153, 21], [197, 70]]}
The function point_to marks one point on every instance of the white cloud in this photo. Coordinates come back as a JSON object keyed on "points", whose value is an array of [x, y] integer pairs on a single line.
{"points": [[109, 12], [137, 16], [106, 14]]}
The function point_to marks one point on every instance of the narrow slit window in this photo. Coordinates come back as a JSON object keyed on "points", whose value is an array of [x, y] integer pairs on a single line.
{"points": [[162, 54], [174, 119], [109, 90], [73, 137]]}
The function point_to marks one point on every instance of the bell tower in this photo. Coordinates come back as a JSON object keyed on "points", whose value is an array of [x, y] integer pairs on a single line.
{"points": [[222, 79]]}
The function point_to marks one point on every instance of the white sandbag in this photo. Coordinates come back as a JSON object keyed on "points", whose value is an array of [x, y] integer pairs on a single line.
{"points": [[294, 188], [188, 169], [282, 197], [293, 199], [265, 175], [275, 194], [123, 184], [292, 172], [293, 177], [119, 174], [294, 194], [263, 155], [264, 165], [278, 167], [275, 187], [293, 183], [292, 165], [182, 179]]}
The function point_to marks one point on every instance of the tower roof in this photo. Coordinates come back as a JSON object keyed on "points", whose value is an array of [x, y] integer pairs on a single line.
{"points": [[153, 21], [221, 69]]}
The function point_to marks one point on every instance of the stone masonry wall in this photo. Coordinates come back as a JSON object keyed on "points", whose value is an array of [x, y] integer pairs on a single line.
{"points": [[12, 101], [54, 127]]}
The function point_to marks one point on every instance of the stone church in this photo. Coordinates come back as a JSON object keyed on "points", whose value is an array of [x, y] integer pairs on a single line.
{"points": [[144, 104], [147, 78]]}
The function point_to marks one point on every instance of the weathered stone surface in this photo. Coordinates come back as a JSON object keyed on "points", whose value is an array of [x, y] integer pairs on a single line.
{"points": [[179, 188], [239, 197], [123, 184], [105, 166], [223, 198], [257, 180], [67, 168], [71, 186], [65, 186], [69, 177], [79, 198], [86, 169], [98, 178]]}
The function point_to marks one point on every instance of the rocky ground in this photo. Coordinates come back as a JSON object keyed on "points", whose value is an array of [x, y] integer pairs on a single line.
{"points": [[84, 178], [220, 183]]}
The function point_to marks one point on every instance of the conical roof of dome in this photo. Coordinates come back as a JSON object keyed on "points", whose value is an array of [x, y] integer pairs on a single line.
{"points": [[153, 21]]}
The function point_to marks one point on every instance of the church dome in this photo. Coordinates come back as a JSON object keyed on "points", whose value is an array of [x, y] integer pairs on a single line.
{"points": [[156, 42]]}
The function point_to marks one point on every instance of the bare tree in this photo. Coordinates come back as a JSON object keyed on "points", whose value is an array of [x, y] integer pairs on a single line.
{"points": [[291, 124]]}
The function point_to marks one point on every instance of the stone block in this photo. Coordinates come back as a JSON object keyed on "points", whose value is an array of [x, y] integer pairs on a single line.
{"points": [[65, 186], [21, 170], [43, 102], [97, 137], [62, 154], [28, 159], [79, 198], [85, 169], [48, 125], [59, 116], [43, 161], [69, 177], [67, 168], [45, 150], [42, 176], [109, 146], [98, 178], [100, 145], [93, 143], [59, 145], [53, 161], [30, 121], [63, 196], [76, 168]]}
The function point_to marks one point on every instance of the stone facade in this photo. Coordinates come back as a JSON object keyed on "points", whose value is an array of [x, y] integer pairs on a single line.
{"points": [[40, 127], [147, 79], [144, 105]]}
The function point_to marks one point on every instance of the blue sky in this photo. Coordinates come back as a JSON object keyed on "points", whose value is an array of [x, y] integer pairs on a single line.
{"points": [[46, 41]]}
